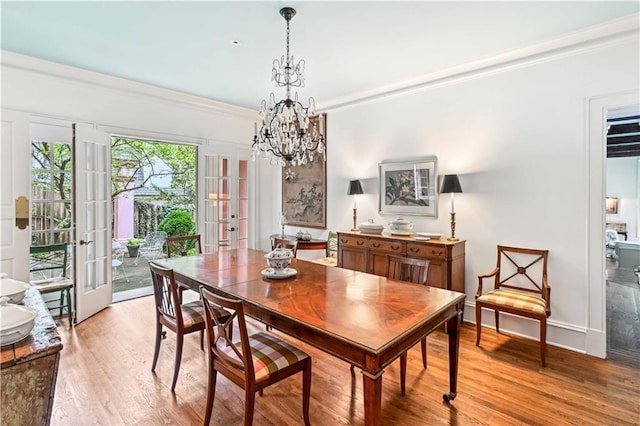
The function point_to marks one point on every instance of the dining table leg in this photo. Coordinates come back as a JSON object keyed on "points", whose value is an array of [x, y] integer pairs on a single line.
{"points": [[372, 386], [453, 330]]}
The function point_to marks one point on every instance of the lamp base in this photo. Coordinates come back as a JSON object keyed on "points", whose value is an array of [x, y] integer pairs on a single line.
{"points": [[355, 229], [453, 239]]}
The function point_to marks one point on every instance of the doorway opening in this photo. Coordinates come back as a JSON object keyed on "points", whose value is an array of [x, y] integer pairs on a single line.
{"points": [[150, 179], [622, 223]]}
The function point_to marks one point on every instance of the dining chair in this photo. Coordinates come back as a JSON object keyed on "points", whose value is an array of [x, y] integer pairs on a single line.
{"points": [[254, 362], [172, 313], [281, 242], [520, 287], [48, 267], [331, 251], [183, 246], [414, 271]]}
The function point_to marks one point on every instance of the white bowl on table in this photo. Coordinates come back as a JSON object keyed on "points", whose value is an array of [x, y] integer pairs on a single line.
{"points": [[16, 321], [12, 289]]}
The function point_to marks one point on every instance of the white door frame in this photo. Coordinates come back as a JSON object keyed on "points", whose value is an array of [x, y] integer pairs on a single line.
{"points": [[597, 111]]}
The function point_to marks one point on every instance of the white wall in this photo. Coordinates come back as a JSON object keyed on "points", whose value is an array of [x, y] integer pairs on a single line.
{"points": [[517, 138], [622, 182]]}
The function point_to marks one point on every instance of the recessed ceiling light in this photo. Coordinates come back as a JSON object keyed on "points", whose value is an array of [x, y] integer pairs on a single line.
{"points": [[235, 42]]}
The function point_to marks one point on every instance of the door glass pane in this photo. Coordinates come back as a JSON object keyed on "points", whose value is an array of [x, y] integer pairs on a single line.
{"points": [[242, 168], [51, 194]]}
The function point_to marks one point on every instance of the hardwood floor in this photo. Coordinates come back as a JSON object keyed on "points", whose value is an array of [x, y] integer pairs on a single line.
{"points": [[623, 314], [105, 378]]}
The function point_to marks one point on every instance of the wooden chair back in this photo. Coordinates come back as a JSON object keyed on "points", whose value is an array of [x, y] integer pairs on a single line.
{"points": [[236, 365], [406, 269], [167, 296], [181, 246], [49, 260], [522, 269], [281, 242]]}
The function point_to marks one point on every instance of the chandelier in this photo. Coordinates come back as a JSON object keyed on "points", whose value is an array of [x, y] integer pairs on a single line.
{"points": [[288, 134]]}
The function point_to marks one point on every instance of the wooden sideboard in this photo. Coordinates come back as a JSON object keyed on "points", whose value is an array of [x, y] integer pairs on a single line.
{"points": [[367, 253]]}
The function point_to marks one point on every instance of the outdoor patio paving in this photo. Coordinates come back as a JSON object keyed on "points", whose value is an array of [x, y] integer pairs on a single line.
{"points": [[138, 283]]}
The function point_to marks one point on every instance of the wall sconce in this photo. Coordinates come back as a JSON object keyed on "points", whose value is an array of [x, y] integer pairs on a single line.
{"points": [[451, 185], [355, 189]]}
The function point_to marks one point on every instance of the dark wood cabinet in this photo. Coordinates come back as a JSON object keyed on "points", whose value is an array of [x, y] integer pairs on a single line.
{"points": [[367, 253]]}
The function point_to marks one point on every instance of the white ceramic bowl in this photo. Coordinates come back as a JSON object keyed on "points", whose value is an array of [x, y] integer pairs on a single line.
{"points": [[16, 321], [401, 224], [370, 227], [12, 289], [279, 258]]}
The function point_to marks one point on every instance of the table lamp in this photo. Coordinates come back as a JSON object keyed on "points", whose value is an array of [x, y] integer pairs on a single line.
{"points": [[451, 185], [355, 189]]}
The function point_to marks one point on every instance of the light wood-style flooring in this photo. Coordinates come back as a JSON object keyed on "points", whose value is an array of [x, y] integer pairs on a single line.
{"points": [[105, 378]]}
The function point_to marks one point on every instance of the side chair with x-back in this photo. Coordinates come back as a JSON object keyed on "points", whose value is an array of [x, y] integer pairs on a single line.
{"points": [[254, 362], [181, 318], [520, 287]]}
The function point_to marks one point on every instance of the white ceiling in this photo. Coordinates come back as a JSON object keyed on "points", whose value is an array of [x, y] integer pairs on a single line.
{"points": [[349, 47]]}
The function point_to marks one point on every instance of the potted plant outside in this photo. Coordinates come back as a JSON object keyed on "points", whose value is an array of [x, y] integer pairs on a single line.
{"points": [[133, 245]]}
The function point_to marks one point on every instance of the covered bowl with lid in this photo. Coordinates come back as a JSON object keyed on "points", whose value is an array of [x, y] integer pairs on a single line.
{"points": [[12, 289], [16, 321], [279, 258], [401, 224]]}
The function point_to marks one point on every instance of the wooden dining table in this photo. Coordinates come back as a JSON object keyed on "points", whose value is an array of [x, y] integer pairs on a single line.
{"points": [[363, 319]]}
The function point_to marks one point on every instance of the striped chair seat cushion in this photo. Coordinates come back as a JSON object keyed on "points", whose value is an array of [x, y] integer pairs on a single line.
{"points": [[193, 313], [270, 354], [515, 299]]}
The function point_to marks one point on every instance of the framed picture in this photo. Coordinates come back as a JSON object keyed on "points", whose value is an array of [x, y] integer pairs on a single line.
{"points": [[611, 205], [304, 190], [409, 186]]}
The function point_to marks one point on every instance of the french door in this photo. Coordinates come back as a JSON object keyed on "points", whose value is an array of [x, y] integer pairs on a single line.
{"points": [[92, 206], [223, 208]]}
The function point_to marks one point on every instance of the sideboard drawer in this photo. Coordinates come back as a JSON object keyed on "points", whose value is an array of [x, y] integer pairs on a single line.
{"points": [[426, 251], [352, 241], [390, 246]]}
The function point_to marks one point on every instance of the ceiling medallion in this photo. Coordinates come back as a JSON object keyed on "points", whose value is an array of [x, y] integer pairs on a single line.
{"points": [[287, 134]]}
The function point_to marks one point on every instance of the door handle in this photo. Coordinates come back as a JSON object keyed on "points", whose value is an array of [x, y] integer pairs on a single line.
{"points": [[83, 242], [231, 229]]}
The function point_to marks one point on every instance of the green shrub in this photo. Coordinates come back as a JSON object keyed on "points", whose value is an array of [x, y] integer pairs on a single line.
{"points": [[178, 223]]}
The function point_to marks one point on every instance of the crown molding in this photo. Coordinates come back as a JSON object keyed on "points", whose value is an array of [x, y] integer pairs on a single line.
{"points": [[30, 64], [609, 33]]}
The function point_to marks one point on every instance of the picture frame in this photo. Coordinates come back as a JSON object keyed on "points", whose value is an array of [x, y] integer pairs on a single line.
{"points": [[408, 186], [611, 205], [304, 189]]}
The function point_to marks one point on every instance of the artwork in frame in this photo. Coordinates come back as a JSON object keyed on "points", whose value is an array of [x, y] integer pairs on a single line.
{"points": [[304, 189], [409, 186], [611, 205]]}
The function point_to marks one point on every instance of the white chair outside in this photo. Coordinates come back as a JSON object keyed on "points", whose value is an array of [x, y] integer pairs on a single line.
{"points": [[117, 260], [152, 247]]}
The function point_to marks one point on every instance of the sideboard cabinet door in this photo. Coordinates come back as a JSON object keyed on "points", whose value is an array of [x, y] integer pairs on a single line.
{"points": [[352, 252]]}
